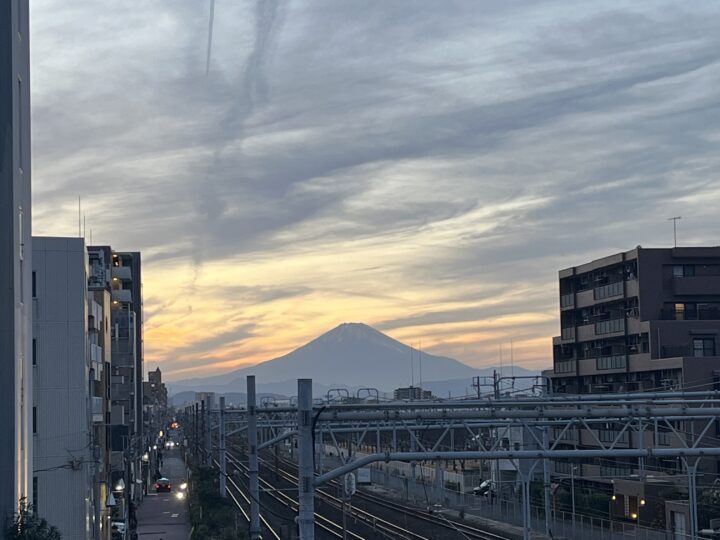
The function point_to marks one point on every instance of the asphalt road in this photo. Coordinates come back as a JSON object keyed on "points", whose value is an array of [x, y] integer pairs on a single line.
{"points": [[162, 516]]}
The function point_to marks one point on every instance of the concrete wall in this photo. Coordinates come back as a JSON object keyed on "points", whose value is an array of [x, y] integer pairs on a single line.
{"points": [[15, 257], [63, 461]]}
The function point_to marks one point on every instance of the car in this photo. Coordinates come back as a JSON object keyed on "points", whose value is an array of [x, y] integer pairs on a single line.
{"points": [[485, 489], [163, 484]]}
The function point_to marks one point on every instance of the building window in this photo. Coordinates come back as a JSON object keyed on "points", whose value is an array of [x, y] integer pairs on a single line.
{"points": [[34, 352], [683, 270], [680, 312], [34, 420], [34, 285], [35, 494], [704, 347]]}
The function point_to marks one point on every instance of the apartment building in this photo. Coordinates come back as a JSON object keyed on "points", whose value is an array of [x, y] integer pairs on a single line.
{"points": [[64, 410], [646, 319], [641, 320], [15, 258], [100, 350], [126, 387]]}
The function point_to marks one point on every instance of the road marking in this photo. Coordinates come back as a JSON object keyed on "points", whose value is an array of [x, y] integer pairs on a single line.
{"points": [[175, 515]]}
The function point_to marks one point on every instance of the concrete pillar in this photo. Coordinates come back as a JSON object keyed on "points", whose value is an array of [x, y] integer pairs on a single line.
{"points": [[253, 460], [306, 488], [221, 445]]}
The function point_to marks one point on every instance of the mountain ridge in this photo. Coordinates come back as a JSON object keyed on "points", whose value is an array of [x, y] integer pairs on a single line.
{"points": [[349, 355]]}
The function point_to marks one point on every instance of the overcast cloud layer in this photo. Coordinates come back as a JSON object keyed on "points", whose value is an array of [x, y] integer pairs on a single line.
{"points": [[425, 167]]}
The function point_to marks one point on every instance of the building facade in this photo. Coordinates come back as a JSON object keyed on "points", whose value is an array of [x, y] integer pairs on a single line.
{"points": [[64, 409], [15, 259], [646, 319], [637, 321]]}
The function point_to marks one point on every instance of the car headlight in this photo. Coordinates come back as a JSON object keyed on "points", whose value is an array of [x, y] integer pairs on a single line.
{"points": [[183, 485], [180, 495]]}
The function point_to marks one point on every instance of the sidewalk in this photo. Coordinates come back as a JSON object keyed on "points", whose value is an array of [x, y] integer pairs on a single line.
{"points": [[162, 516]]}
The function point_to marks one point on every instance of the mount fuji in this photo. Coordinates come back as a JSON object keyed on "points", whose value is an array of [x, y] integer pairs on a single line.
{"points": [[351, 355]]}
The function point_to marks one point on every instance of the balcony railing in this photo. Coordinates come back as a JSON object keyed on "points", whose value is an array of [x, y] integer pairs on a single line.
{"points": [[567, 300], [609, 326], [565, 367], [611, 362], [608, 291], [567, 333]]}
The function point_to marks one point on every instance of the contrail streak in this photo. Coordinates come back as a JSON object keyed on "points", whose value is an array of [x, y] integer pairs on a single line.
{"points": [[210, 33]]}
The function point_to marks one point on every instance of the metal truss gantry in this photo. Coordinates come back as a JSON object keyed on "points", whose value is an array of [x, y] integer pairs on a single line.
{"points": [[309, 421]]}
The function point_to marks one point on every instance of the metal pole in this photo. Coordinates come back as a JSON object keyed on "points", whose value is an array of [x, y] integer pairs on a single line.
{"points": [[546, 485], [572, 491], [306, 488], [692, 496], [223, 466], [526, 505], [197, 435], [253, 460]]}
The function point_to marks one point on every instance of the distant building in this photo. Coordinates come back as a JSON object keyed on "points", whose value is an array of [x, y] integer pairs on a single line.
{"points": [[16, 442], [641, 320], [412, 393], [208, 397], [66, 413], [155, 392]]}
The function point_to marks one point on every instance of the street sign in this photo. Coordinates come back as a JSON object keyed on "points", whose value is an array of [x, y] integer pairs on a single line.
{"points": [[350, 484]]}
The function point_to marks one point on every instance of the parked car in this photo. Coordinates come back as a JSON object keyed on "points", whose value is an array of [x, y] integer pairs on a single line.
{"points": [[484, 489], [163, 484]]}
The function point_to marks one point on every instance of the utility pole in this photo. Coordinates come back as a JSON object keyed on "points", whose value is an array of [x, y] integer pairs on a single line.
{"points": [[223, 466], [675, 220], [253, 460], [306, 487]]}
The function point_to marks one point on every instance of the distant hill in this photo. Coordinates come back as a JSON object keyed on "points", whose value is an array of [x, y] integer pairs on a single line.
{"points": [[352, 355]]}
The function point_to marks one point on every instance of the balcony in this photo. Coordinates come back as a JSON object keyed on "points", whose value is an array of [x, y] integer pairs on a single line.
{"points": [[122, 295], [610, 326], [566, 366], [567, 301], [610, 290], [617, 361], [567, 334], [123, 273]]}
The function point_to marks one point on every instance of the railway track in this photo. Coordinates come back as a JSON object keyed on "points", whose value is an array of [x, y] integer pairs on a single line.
{"points": [[377, 528], [462, 529], [236, 494], [375, 525]]}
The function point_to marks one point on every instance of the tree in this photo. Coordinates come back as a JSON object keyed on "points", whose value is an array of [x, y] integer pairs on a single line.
{"points": [[26, 525]]}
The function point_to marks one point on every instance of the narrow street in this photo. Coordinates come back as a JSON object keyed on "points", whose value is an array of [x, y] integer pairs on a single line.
{"points": [[163, 516]]}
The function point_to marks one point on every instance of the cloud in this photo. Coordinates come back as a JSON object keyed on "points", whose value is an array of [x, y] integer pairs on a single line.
{"points": [[425, 166]]}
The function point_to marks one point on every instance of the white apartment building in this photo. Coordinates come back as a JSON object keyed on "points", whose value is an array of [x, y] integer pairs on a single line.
{"points": [[65, 362]]}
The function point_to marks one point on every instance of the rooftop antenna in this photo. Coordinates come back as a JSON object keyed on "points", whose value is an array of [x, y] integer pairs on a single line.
{"points": [[84, 229], [675, 220], [512, 360], [501, 366], [420, 362], [210, 33], [412, 369]]}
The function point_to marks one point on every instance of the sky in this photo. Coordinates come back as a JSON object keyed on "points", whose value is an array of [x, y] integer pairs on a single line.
{"points": [[425, 167]]}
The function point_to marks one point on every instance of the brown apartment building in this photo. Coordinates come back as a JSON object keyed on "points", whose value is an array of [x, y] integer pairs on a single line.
{"points": [[642, 320]]}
